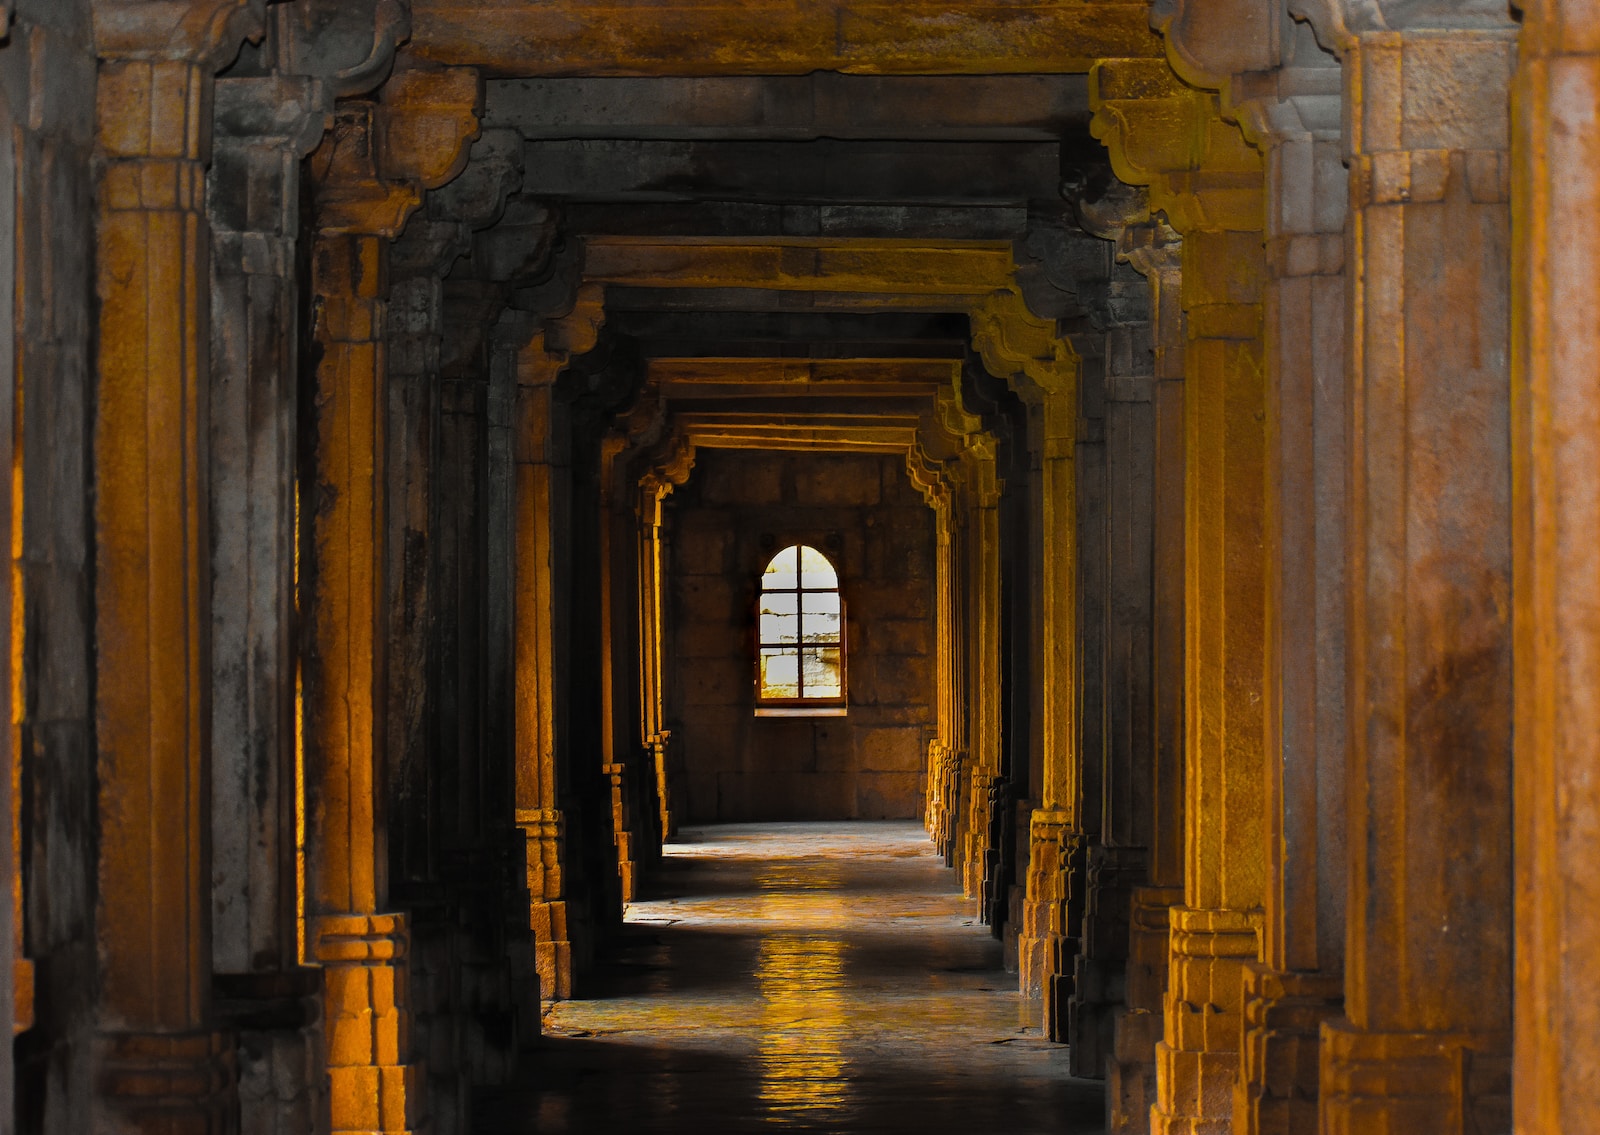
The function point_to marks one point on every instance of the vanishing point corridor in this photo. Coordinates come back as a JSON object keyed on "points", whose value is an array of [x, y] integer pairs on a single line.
{"points": [[819, 977]]}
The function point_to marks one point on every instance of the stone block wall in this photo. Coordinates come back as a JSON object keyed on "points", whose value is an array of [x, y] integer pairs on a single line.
{"points": [[739, 509]]}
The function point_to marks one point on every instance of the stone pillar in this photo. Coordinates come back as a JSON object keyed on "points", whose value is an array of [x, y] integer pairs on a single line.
{"points": [[264, 127], [1293, 113], [980, 488], [1208, 181], [943, 792], [159, 1065], [1043, 371], [1425, 1045], [1117, 860], [368, 175], [1556, 418], [673, 461], [1155, 250], [542, 502], [1556, 143]]}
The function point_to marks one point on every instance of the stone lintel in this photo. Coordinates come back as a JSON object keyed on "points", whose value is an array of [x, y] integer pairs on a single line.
{"points": [[914, 37]]}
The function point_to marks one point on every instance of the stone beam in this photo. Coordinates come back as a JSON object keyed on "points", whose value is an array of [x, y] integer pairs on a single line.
{"points": [[823, 104], [976, 174], [701, 37], [778, 377]]}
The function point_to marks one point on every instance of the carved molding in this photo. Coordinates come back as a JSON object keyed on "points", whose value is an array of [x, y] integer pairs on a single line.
{"points": [[204, 32]]}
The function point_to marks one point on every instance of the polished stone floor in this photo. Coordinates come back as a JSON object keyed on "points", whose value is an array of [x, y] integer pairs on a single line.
{"points": [[805, 978]]}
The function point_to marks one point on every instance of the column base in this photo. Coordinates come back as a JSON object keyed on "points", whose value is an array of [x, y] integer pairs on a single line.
{"points": [[1198, 1061], [374, 1084], [975, 860], [1099, 982], [1045, 944], [1283, 1014], [622, 829], [546, 845], [1418, 1083], [1131, 1086], [552, 949], [166, 1083], [278, 1020]]}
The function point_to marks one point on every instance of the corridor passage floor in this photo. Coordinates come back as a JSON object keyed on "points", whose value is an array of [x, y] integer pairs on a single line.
{"points": [[798, 977]]}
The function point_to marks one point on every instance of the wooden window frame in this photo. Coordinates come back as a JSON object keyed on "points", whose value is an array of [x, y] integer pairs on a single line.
{"points": [[802, 706]]}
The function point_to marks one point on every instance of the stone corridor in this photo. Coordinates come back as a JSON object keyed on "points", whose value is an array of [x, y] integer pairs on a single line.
{"points": [[459, 450], [806, 977]]}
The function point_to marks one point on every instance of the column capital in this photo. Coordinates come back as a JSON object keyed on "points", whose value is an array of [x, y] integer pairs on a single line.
{"points": [[203, 32], [1172, 138], [1340, 23], [556, 338], [277, 111], [380, 155], [1209, 41], [1014, 343]]}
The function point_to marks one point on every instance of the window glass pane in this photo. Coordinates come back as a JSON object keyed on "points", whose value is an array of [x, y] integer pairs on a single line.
{"points": [[780, 673], [822, 665], [815, 570], [780, 603], [822, 616], [782, 572], [779, 628]]}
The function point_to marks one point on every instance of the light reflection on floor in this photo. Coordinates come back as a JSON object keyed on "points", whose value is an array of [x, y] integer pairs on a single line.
{"points": [[798, 977]]}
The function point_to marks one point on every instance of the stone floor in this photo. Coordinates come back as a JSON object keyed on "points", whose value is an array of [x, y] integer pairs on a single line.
{"points": [[799, 977]]}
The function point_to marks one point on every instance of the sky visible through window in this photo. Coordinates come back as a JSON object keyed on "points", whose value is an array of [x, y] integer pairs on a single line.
{"points": [[802, 645]]}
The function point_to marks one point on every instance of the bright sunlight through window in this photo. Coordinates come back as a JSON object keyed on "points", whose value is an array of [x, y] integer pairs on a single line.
{"points": [[802, 630]]}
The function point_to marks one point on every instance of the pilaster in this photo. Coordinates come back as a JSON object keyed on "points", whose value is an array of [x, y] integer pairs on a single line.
{"points": [[1208, 181], [1426, 1042], [369, 174], [1555, 423], [159, 1067]]}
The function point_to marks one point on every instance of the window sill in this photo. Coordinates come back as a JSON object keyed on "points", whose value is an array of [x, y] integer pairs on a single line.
{"points": [[801, 711]]}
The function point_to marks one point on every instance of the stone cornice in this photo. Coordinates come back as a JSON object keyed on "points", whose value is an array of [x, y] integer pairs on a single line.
{"points": [[207, 33]]}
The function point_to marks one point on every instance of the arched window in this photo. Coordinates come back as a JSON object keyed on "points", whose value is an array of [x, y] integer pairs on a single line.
{"points": [[801, 654]]}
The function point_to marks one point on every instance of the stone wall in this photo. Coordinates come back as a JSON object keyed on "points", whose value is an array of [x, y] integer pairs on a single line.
{"points": [[738, 509]]}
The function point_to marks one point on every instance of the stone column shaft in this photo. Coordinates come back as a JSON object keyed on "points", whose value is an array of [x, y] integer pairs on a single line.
{"points": [[1155, 251], [158, 1066], [1428, 979], [542, 495], [1556, 424], [1299, 981]]}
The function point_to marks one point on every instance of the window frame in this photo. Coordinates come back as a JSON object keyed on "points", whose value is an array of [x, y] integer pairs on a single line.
{"points": [[801, 706]]}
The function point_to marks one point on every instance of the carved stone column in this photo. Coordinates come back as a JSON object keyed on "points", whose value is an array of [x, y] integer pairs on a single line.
{"points": [[369, 175], [542, 501], [1122, 413], [1425, 1045], [1155, 251], [1207, 180], [1293, 113], [1044, 372], [943, 791], [159, 1067], [264, 127], [1556, 266]]}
